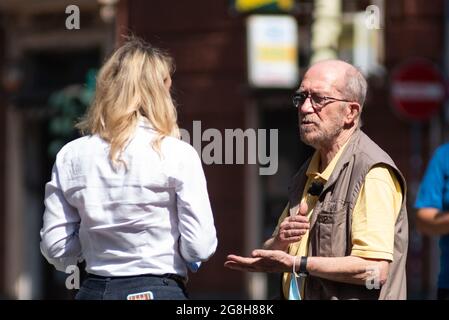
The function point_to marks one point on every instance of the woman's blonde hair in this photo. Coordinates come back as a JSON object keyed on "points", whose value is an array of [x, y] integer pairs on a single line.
{"points": [[132, 84]]}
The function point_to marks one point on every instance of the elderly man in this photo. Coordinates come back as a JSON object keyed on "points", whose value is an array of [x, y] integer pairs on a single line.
{"points": [[344, 232]]}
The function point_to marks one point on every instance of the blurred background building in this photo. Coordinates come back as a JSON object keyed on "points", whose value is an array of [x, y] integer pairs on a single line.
{"points": [[238, 63]]}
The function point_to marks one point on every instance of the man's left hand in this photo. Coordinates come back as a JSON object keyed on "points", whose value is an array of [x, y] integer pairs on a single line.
{"points": [[261, 261]]}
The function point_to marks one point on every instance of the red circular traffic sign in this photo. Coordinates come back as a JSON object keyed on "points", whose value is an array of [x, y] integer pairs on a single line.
{"points": [[418, 89]]}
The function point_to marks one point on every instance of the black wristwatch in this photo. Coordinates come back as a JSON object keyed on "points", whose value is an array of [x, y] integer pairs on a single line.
{"points": [[303, 267]]}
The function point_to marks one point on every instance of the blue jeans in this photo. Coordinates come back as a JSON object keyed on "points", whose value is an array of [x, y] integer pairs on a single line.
{"points": [[163, 287]]}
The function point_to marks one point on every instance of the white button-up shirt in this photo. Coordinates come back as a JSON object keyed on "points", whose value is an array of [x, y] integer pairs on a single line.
{"points": [[152, 219]]}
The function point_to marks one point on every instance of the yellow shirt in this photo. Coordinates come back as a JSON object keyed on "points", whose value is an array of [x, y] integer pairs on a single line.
{"points": [[373, 218]]}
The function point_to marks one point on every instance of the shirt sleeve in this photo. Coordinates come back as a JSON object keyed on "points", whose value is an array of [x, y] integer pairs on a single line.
{"points": [[198, 240], [375, 213], [431, 189], [60, 243]]}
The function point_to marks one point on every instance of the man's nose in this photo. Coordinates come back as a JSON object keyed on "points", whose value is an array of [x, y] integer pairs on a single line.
{"points": [[307, 106]]}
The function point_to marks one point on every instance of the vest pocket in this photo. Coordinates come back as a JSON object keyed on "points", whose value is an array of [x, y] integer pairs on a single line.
{"points": [[331, 229], [324, 234]]}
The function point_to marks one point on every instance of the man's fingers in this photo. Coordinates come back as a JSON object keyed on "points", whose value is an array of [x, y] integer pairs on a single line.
{"points": [[293, 229], [294, 233], [232, 257], [259, 253], [292, 238], [297, 225], [297, 218], [239, 259]]}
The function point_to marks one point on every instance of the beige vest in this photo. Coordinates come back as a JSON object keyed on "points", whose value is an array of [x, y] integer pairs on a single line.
{"points": [[331, 220]]}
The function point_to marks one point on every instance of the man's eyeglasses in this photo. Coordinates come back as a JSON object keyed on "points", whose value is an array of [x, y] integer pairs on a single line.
{"points": [[318, 101]]}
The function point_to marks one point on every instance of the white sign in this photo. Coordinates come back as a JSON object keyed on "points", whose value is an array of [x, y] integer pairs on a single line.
{"points": [[418, 91], [272, 51]]}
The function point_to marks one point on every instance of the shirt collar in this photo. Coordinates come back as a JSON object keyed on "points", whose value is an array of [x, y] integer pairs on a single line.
{"points": [[145, 123], [314, 165]]}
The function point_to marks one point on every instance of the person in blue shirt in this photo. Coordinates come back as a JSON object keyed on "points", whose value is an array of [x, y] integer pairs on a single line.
{"points": [[432, 204]]}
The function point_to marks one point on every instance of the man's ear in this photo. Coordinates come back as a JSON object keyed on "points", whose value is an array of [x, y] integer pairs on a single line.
{"points": [[353, 113]]}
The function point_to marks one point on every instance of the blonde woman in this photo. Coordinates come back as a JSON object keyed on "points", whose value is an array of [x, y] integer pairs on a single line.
{"points": [[129, 197]]}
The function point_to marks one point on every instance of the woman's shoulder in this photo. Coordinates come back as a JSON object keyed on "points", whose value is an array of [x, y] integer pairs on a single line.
{"points": [[80, 145], [176, 147]]}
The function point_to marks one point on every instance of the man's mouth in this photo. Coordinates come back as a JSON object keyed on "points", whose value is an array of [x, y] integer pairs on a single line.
{"points": [[307, 122]]}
